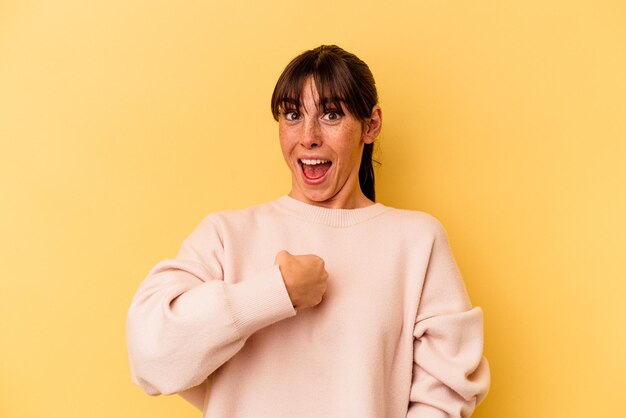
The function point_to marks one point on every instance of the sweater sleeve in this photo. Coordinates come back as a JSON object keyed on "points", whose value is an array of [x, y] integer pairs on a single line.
{"points": [[185, 320], [450, 375]]}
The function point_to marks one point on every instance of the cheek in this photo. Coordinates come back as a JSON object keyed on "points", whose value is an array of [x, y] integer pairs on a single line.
{"points": [[286, 143], [350, 144]]}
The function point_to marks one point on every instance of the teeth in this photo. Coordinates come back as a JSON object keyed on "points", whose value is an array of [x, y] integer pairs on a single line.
{"points": [[313, 162]]}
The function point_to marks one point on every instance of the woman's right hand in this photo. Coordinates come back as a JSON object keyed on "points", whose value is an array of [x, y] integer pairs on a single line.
{"points": [[305, 278]]}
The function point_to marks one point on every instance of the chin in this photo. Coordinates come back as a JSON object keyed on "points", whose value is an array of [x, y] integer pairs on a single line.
{"points": [[318, 197]]}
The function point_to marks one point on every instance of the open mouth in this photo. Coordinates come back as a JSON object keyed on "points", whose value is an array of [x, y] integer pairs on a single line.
{"points": [[314, 170]]}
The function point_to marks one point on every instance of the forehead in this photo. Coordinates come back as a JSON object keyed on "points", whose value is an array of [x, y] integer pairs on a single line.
{"points": [[309, 98]]}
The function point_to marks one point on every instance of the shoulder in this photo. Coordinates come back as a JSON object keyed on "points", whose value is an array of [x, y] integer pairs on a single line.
{"points": [[416, 221], [237, 218]]}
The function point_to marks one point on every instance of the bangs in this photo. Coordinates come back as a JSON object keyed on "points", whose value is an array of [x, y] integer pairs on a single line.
{"points": [[335, 84]]}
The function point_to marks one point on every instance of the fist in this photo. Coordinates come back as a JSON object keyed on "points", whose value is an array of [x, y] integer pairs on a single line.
{"points": [[305, 278]]}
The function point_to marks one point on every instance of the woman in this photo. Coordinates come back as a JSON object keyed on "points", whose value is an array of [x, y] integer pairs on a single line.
{"points": [[321, 303]]}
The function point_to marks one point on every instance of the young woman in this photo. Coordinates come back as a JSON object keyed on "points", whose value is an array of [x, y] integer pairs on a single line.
{"points": [[323, 302]]}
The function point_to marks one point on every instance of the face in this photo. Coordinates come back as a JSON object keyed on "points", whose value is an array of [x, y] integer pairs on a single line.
{"points": [[323, 151]]}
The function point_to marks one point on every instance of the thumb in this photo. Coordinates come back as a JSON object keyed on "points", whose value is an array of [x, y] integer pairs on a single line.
{"points": [[281, 254]]}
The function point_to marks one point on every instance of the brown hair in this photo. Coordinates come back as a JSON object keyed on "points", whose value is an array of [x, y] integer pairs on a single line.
{"points": [[340, 77]]}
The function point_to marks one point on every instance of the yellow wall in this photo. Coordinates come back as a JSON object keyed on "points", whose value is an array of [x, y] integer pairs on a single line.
{"points": [[123, 123]]}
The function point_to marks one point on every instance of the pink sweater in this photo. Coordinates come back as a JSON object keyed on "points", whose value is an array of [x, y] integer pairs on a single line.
{"points": [[395, 335]]}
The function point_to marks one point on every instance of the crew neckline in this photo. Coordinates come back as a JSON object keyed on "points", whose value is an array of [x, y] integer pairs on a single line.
{"points": [[329, 216]]}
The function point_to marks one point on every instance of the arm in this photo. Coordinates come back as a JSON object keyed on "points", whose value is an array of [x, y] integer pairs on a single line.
{"points": [[185, 321], [450, 375], [195, 395]]}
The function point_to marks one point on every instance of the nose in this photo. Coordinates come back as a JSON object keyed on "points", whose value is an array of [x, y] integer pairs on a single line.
{"points": [[311, 135]]}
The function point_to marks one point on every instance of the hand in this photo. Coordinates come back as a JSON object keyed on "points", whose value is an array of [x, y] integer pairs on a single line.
{"points": [[305, 278]]}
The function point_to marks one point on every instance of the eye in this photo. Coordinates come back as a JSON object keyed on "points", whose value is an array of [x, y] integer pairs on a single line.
{"points": [[291, 115], [332, 115]]}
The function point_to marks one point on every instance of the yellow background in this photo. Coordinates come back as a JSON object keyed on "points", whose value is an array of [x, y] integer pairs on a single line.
{"points": [[123, 123]]}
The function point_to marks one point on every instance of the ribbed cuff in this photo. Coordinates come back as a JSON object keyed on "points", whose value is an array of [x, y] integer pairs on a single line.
{"points": [[259, 302], [425, 411]]}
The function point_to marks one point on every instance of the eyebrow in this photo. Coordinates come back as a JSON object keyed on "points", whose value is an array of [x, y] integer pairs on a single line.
{"points": [[324, 103], [335, 103], [334, 100], [291, 101]]}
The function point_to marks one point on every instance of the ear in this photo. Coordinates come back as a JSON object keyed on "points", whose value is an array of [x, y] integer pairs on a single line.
{"points": [[372, 125]]}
